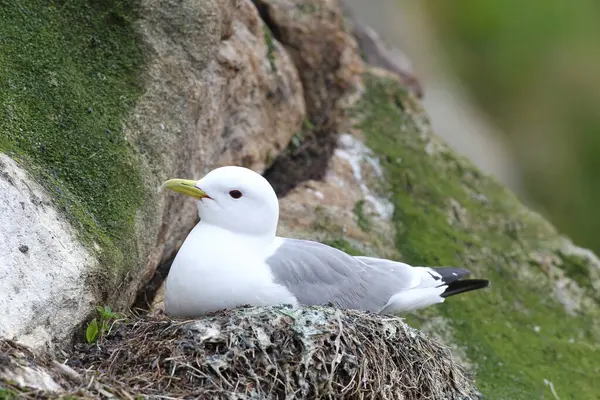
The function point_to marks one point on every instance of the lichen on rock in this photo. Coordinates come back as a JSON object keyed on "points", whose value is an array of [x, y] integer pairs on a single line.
{"points": [[35, 235]]}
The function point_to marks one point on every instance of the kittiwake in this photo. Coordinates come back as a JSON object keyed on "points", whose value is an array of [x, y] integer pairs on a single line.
{"points": [[233, 257]]}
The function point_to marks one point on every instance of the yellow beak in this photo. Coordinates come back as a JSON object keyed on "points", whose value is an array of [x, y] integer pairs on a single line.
{"points": [[185, 186]]}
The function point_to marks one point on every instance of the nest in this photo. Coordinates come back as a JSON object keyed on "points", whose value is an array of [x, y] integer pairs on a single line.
{"points": [[266, 353]]}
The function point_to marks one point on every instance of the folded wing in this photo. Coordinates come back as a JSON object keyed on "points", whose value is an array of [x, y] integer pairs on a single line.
{"points": [[317, 274]]}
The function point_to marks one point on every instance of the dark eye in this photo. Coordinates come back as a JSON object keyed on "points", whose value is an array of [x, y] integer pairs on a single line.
{"points": [[236, 194]]}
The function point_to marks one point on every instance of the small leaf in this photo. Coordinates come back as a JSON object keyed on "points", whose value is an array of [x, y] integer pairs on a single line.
{"points": [[296, 141], [91, 333]]}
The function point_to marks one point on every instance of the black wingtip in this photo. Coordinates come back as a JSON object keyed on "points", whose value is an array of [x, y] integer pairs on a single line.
{"points": [[451, 274], [463, 286]]}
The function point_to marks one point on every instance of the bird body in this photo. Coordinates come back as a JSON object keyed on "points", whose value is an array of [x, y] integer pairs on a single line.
{"points": [[223, 276], [233, 257]]}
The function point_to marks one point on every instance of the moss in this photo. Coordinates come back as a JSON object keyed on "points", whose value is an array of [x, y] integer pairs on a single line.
{"points": [[308, 8], [576, 268], [344, 245], [68, 78], [498, 59], [8, 394], [270, 42], [300, 138], [516, 332], [362, 220], [333, 234], [269, 158]]}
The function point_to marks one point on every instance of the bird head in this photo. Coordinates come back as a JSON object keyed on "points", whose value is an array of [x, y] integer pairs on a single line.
{"points": [[233, 198]]}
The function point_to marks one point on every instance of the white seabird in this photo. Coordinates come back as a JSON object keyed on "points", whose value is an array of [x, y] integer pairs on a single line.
{"points": [[233, 257]]}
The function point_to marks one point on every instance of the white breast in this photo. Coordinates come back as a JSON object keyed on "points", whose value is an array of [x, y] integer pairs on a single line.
{"points": [[207, 275]]}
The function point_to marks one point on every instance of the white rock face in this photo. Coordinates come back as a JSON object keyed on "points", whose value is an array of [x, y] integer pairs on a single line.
{"points": [[43, 294], [355, 153], [32, 377]]}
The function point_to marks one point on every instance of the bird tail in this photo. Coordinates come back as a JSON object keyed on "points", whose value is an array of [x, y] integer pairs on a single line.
{"points": [[466, 285]]}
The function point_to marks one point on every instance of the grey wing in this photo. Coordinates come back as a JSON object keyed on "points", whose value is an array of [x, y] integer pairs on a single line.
{"points": [[318, 274]]}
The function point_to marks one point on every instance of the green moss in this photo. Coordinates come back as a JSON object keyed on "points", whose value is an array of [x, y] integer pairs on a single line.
{"points": [[502, 62], [577, 269], [68, 78], [344, 245], [362, 220], [308, 8], [516, 331], [333, 233], [8, 394], [270, 42]]}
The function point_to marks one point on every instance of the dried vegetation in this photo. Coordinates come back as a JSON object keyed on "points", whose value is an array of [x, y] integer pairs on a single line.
{"points": [[258, 353]]}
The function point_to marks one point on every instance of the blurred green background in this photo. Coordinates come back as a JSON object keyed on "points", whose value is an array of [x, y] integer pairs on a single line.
{"points": [[534, 69]]}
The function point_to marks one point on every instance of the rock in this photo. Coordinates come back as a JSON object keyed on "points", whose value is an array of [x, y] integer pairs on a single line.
{"points": [[376, 53], [217, 89], [43, 290], [447, 212], [324, 52], [351, 203], [18, 366], [327, 58], [271, 352]]}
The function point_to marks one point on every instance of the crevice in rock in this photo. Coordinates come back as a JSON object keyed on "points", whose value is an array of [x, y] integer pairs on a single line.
{"points": [[307, 155], [146, 295], [264, 15], [306, 159]]}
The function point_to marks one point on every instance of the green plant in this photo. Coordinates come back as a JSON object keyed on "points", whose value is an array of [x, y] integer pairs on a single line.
{"points": [[297, 140], [101, 325]]}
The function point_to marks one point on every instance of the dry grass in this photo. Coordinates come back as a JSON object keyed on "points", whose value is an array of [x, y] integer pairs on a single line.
{"points": [[264, 353]]}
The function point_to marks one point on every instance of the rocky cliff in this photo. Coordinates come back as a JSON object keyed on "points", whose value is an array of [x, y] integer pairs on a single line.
{"points": [[102, 102]]}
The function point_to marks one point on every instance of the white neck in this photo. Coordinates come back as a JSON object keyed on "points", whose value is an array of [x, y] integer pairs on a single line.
{"points": [[204, 228]]}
